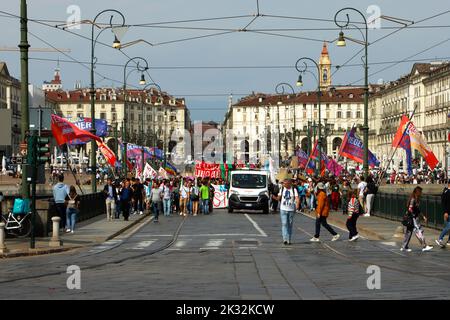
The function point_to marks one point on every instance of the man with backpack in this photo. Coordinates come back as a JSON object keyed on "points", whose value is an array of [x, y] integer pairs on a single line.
{"points": [[289, 204], [60, 192]]}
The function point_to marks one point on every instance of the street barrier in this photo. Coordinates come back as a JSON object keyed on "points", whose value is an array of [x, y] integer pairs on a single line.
{"points": [[393, 206]]}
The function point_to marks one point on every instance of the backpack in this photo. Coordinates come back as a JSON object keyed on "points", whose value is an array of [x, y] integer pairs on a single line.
{"points": [[293, 191]]}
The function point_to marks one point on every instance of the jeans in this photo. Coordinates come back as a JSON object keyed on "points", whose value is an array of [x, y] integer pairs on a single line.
{"points": [[323, 221], [205, 206], [287, 220], [138, 204], [166, 207], [312, 203], [351, 225], [71, 218], [110, 208], [445, 231], [61, 209], [155, 209]]}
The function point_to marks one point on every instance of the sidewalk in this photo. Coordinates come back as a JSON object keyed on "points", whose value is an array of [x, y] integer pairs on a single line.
{"points": [[375, 228], [87, 233]]}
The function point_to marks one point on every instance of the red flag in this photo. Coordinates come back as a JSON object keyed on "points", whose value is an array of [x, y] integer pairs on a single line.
{"points": [[107, 153], [400, 131], [65, 131]]}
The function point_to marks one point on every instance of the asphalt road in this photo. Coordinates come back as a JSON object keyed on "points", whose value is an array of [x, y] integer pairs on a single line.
{"points": [[229, 256]]}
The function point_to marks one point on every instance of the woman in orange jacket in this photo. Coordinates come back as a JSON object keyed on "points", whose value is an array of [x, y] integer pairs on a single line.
{"points": [[322, 212]]}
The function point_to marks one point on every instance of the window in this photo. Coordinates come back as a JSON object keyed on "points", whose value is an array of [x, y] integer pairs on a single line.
{"points": [[358, 114], [339, 106], [339, 115], [114, 117], [304, 106], [102, 115], [328, 106], [349, 114], [79, 106]]}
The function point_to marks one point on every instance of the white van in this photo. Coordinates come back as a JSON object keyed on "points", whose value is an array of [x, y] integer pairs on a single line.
{"points": [[249, 190]]}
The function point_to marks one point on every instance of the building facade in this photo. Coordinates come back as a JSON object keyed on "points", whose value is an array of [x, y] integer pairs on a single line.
{"points": [[10, 111], [264, 124], [153, 118], [423, 95]]}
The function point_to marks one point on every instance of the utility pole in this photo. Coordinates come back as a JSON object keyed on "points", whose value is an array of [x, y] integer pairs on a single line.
{"points": [[25, 121]]}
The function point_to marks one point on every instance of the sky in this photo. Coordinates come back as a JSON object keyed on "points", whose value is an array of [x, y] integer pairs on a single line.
{"points": [[207, 89]]}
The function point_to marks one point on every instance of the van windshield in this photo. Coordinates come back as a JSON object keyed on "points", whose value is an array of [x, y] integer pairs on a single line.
{"points": [[249, 181]]}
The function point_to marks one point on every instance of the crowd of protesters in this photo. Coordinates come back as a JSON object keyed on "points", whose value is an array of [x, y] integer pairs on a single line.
{"points": [[166, 197]]}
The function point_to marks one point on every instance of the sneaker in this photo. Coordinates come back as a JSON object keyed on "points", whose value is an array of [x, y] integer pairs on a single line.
{"points": [[405, 249], [68, 230], [289, 243], [141, 213], [354, 238], [285, 243], [448, 244], [335, 238], [314, 239], [72, 231], [427, 248], [440, 243], [366, 215], [195, 214]]}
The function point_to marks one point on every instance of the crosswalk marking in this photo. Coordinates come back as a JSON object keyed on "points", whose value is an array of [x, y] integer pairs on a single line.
{"points": [[213, 244], [143, 244], [107, 245]]}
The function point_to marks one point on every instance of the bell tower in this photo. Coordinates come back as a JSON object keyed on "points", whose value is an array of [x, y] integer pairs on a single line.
{"points": [[325, 68]]}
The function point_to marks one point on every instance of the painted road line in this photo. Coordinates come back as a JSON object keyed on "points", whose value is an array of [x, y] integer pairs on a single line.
{"points": [[143, 244], [213, 244], [253, 222]]}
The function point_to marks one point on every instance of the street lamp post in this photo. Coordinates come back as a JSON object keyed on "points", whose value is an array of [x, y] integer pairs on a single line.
{"points": [[116, 45], [341, 43], [141, 69], [142, 123], [280, 89], [302, 70]]}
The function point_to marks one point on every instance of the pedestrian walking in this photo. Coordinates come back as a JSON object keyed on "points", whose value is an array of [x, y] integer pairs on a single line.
{"points": [[322, 212], [445, 198], [195, 198], [370, 192], [184, 193], [345, 196], [138, 195], [204, 195], [212, 192], [353, 215], [289, 204], [361, 189], [275, 192], [156, 198], [60, 192], [335, 195], [110, 194], [413, 222], [73, 204], [167, 195], [125, 199]]}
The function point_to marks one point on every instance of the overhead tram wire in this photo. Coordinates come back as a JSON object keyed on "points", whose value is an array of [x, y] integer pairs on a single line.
{"points": [[85, 65], [409, 57], [235, 67], [391, 33]]}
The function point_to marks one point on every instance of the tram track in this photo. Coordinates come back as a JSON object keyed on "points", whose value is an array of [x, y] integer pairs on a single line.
{"points": [[162, 248]]}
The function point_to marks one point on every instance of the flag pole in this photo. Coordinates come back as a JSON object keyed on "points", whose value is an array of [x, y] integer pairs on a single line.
{"points": [[77, 182], [380, 178]]}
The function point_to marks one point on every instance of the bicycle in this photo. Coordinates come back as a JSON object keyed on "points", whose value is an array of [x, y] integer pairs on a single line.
{"points": [[17, 224]]}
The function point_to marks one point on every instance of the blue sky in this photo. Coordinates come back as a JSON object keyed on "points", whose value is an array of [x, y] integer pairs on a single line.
{"points": [[232, 49]]}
